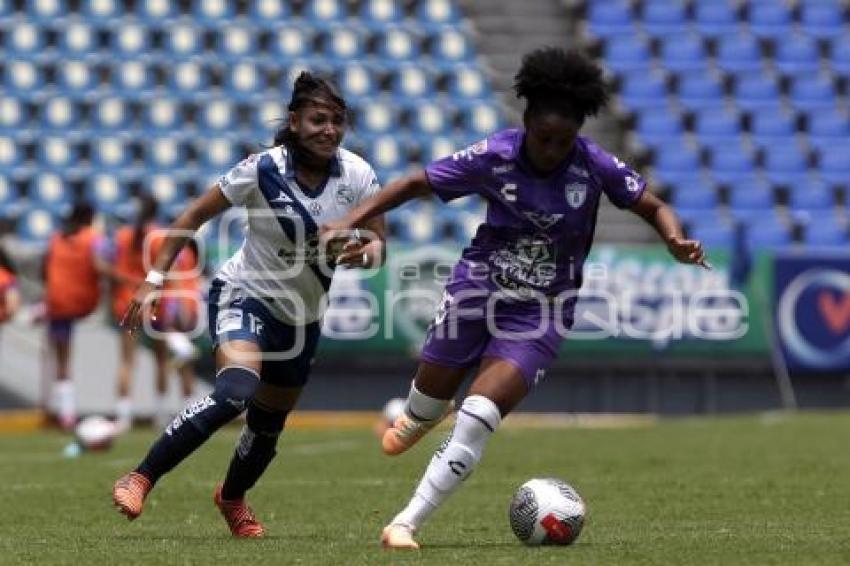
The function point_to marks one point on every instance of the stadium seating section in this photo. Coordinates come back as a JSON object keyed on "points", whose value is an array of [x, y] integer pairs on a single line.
{"points": [[741, 107], [110, 99]]}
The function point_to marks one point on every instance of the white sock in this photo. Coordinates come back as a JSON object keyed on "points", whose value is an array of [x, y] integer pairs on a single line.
{"points": [[422, 407], [64, 391], [477, 419], [124, 413]]}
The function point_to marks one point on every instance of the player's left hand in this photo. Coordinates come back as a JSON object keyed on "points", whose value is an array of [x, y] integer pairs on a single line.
{"points": [[687, 251], [357, 253]]}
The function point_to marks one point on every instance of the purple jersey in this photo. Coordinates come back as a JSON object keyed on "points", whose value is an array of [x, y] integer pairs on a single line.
{"points": [[538, 230]]}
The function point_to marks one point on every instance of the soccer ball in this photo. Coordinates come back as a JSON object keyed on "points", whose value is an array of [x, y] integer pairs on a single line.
{"points": [[95, 433], [547, 511]]}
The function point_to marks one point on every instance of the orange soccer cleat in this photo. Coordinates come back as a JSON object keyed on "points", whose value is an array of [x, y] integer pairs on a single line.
{"points": [[397, 535], [129, 492], [407, 431], [241, 520]]}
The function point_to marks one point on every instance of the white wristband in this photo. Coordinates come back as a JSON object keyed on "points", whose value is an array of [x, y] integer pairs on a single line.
{"points": [[155, 277]]}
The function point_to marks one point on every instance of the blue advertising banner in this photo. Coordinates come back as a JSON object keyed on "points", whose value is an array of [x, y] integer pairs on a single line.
{"points": [[812, 309]]}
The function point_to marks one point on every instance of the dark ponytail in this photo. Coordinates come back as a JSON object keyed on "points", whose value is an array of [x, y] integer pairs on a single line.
{"points": [[309, 88]]}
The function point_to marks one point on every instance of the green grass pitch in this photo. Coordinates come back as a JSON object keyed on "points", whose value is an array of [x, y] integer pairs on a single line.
{"points": [[751, 490]]}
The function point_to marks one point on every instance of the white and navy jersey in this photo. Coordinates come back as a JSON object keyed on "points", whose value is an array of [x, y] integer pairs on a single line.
{"points": [[279, 257]]}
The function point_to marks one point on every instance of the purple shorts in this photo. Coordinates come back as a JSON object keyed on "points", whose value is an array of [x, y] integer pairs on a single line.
{"points": [[473, 323], [60, 329]]}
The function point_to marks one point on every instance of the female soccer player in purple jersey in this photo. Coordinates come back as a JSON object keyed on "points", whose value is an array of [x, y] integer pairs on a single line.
{"points": [[266, 302], [511, 296]]}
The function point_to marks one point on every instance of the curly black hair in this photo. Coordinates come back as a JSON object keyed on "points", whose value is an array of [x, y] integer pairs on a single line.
{"points": [[564, 81], [309, 88]]}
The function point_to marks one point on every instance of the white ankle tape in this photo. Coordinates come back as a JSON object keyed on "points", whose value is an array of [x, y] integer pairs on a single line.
{"points": [[423, 407]]}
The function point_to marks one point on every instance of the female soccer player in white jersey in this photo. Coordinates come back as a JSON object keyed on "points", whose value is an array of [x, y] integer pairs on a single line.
{"points": [[266, 302], [510, 299]]}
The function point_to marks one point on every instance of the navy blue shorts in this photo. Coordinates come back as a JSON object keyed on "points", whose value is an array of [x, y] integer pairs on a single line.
{"points": [[288, 351]]}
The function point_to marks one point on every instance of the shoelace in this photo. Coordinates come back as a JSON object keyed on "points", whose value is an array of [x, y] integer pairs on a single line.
{"points": [[134, 485], [238, 514], [410, 428]]}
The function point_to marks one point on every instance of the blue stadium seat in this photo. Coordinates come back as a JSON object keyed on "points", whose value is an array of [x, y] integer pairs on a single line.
{"points": [[766, 232], [111, 113], [840, 54], [295, 67], [437, 147], [385, 151], [430, 118], [694, 195], [755, 90], [437, 12], [771, 125], [10, 198], [7, 9], [822, 19], [750, 193], [166, 153], [268, 114], [663, 17], [76, 77], [683, 51], [715, 17], [771, 20], [216, 115], [110, 153], [50, 191], [22, 77], [186, 79], [244, 80], [57, 153], [60, 114], [827, 127], [826, 231], [676, 161], [236, 42], [711, 233], [738, 52], [480, 118], [37, 224], [467, 81], [730, 164], [13, 115], [834, 166], [399, 43], [324, 11], [624, 53], [133, 78], [11, 155], [106, 192], [165, 188], [657, 126], [717, 125], [212, 12], [162, 115], [182, 40], [451, 45], [357, 80], [610, 18], [785, 165], [643, 90], [796, 53], [76, 37], [100, 12], [812, 194], [701, 89], [377, 116], [219, 154], [269, 13], [377, 14], [130, 39], [343, 42], [813, 91], [23, 38], [156, 11], [415, 223], [292, 39]]}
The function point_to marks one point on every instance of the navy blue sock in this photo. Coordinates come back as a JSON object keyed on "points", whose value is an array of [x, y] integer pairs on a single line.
{"points": [[255, 450], [234, 387]]}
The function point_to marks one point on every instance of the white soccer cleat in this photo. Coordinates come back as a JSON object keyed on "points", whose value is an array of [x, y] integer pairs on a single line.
{"points": [[397, 535]]}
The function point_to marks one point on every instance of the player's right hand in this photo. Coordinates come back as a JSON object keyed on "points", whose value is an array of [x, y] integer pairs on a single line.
{"points": [[143, 304]]}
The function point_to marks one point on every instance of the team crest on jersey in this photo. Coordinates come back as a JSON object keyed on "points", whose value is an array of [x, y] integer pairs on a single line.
{"points": [[315, 208], [543, 220], [345, 195], [576, 194]]}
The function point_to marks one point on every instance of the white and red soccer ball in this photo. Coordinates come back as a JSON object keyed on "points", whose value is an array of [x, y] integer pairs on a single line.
{"points": [[95, 433], [547, 511]]}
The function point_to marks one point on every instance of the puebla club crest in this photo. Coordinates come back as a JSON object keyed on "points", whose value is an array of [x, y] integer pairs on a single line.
{"points": [[576, 194]]}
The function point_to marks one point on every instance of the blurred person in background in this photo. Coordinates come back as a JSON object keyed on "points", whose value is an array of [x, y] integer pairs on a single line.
{"points": [[72, 291], [10, 297], [543, 184], [267, 301]]}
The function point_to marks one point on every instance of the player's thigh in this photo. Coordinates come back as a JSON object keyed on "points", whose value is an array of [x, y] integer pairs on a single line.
{"points": [[437, 380], [501, 381], [243, 353], [277, 397]]}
